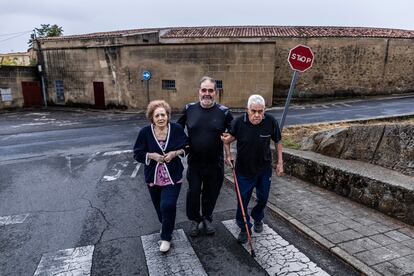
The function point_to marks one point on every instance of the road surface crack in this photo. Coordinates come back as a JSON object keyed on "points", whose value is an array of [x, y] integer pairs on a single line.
{"points": [[104, 218]]}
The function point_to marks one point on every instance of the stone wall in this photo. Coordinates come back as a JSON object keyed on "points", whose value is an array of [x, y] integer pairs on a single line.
{"points": [[244, 69], [18, 59], [343, 67], [346, 67], [384, 190], [387, 145], [12, 77]]}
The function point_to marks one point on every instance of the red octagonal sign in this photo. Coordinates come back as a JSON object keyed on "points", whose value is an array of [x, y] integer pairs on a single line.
{"points": [[300, 58]]}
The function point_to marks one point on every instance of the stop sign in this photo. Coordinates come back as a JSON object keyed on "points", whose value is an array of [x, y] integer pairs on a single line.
{"points": [[300, 58]]}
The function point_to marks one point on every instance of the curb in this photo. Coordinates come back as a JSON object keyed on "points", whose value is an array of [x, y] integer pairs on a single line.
{"points": [[346, 257]]}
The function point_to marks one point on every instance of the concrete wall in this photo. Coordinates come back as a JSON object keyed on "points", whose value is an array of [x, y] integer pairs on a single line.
{"points": [[243, 68], [12, 77], [348, 67]]}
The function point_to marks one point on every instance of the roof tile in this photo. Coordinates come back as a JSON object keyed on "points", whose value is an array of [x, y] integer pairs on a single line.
{"points": [[256, 31]]}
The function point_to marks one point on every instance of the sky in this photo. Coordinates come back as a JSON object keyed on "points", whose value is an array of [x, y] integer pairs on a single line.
{"points": [[20, 17]]}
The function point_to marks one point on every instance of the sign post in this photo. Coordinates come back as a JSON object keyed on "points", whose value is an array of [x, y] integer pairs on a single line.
{"points": [[300, 59], [146, 76]]}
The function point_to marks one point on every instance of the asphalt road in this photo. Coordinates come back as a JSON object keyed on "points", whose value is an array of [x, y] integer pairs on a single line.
{"points": [[347, 110], [72, 177]]}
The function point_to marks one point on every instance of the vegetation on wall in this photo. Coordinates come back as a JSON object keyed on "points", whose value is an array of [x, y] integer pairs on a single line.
{"points": [[8, 61]]}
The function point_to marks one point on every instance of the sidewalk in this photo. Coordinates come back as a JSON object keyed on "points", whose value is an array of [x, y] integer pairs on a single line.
{"points": [[372, 242]]}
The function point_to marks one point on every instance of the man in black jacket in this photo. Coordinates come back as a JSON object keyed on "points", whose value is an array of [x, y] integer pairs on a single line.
{"points": [[205, 121]]}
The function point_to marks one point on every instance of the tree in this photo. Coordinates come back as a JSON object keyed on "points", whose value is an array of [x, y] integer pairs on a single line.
{"points": [[45, 30]]}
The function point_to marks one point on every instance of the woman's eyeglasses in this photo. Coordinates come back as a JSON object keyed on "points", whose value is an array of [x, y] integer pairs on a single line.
{"points": [[204, 90]]}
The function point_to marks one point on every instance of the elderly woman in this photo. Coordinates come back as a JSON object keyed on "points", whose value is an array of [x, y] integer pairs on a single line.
{"points": [[159, 146]]}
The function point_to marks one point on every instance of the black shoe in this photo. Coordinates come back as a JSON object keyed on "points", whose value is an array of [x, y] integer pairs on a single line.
{"points": [[208, 227], [194, 229], [242, 238], [258, 226]]}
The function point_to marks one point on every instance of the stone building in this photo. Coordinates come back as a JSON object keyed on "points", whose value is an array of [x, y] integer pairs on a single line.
{"points": [[105, 69], [19, 86]]}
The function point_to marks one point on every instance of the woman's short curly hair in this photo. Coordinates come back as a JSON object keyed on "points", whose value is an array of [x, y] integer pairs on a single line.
{"points": [[154, 105]]}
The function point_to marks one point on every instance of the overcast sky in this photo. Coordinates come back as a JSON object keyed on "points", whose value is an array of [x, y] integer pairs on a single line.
{"points": [[18, 17]]}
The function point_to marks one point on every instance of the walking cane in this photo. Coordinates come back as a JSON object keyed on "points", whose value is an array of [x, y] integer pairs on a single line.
{"points": [[236, 184]]}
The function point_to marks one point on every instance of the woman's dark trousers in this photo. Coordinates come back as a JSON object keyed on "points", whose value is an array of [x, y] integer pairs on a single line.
{"points": [[165, 199]]}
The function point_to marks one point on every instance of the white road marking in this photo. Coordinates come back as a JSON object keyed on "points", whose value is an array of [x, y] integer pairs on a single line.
{"points": [[275, 254], [180, 260], [29, 124], [44, 119], [110, 153], [87, 161], [118, 171], [69, 163], [72, 261], [67, 123], [92, 157], [37, 114], [113, 177], [14, 219], [134, 173]]}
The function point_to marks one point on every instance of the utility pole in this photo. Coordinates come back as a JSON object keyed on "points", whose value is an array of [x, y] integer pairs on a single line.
{"points": [[40, 66]]}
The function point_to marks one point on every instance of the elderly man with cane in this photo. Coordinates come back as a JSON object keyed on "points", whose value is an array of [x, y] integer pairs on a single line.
{"points": [[253, 131]]}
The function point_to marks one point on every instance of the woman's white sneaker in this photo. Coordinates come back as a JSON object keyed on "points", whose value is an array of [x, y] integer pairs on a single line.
{"points": [[165, 246]]}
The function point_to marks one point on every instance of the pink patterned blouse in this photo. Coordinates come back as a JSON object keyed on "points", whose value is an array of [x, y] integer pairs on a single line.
{"points": [[161, 175]]}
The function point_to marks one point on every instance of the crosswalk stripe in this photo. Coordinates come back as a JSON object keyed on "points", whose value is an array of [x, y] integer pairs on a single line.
{"points": [[275, 254], [14, 219], [72, 261], [180, 260]]}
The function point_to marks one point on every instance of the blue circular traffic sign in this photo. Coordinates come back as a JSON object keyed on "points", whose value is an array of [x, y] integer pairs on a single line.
{"points": [[146, 75]]}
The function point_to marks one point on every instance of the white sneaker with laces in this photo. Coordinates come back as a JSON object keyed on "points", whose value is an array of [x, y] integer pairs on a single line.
{"points": [[165, 246]]}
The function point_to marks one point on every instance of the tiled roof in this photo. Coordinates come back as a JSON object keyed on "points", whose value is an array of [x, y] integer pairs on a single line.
{"points": [[255, 31], [284, 31], [104, 34]]}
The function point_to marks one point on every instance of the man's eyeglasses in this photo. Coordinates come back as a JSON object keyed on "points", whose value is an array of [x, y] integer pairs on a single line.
{"points": [[204, 90], [254, 111]]}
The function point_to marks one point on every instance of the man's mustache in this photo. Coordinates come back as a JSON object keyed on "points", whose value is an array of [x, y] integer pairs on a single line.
{"points": [[207, 97]]}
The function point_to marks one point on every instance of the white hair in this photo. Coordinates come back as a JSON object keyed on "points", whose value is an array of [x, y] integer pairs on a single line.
{"points": [[255, 99]]}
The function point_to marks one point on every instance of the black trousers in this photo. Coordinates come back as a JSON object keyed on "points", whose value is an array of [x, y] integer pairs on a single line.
{"points": [[204, 184], [165, 202]]}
